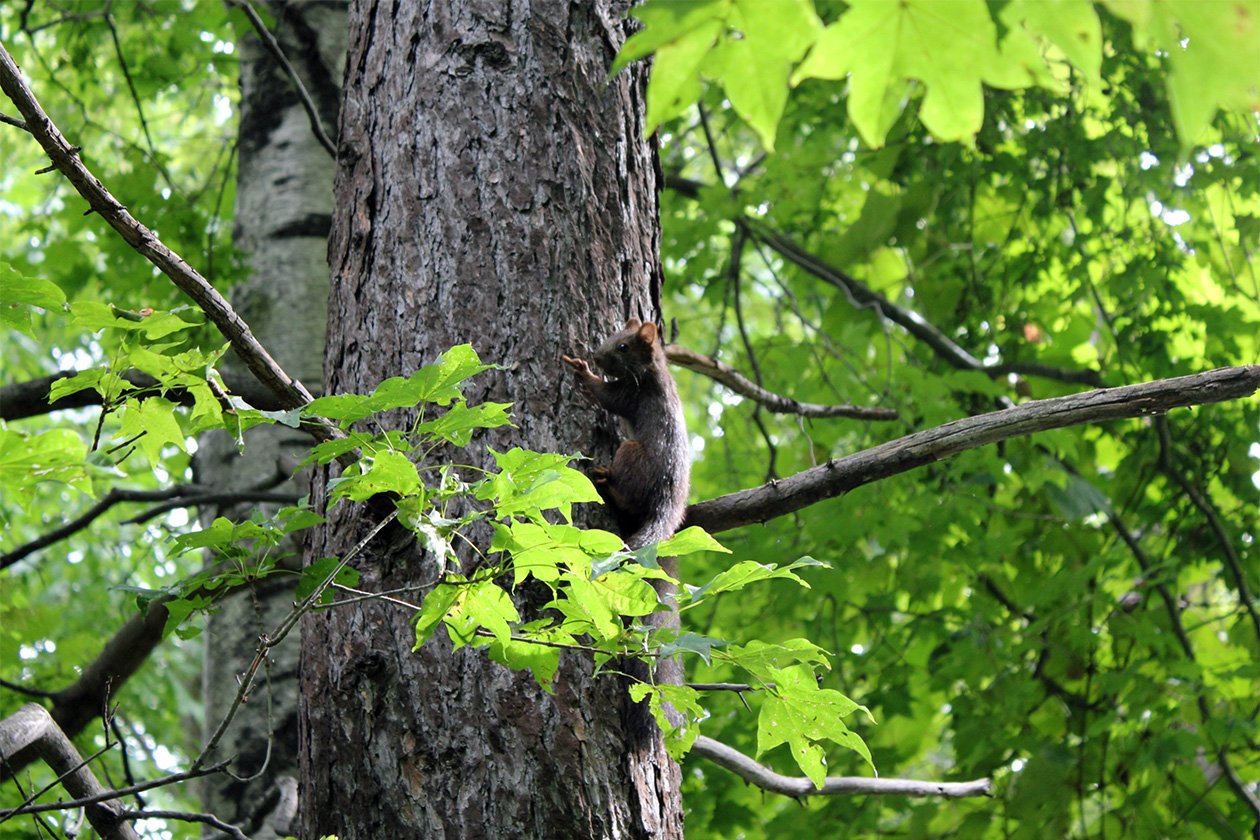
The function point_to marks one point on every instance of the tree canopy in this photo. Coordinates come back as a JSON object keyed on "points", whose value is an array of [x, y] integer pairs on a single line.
{"points": [[878, 218]]}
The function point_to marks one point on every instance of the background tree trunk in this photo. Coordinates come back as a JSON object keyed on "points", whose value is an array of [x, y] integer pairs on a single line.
{"points": [[494, 188], [283, 207]]}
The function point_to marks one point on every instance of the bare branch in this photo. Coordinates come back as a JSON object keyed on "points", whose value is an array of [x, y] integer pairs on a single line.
{"points": [[65, 158], [31, 728], [88, 800], [113, 497], [187, 816], [865, 297], [226, 497], [128, 649], [737, 382], [840, 475], [122, 655], [179, 496], [18, 688], [273, 47], [1172, 608], [69, 18], [267, 642], [1200, 500], [135, 97], [766, 779]]}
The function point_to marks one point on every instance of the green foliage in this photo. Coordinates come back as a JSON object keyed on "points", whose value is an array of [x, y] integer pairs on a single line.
{"points": [[178, 171], [597, 588], [949, 49], [1013, 612], [1072, 615], [57, 455], [22, 296]]}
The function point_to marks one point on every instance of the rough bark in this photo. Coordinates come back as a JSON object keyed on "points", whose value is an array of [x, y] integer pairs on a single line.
{"points": [[494, 188], [283, 211]]}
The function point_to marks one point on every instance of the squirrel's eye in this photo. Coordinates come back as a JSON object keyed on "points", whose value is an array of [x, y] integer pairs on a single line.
{"points": [[622, 348]]}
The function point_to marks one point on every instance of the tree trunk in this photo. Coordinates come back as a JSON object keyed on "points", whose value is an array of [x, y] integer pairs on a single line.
{"points": [[494, 188], [283, 207]]}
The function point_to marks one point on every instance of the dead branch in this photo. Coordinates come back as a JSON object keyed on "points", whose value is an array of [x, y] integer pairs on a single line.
{"points": [[864, 297], [86, 799], [177, 496], [795, 786], [777, 498], [188, 816]]}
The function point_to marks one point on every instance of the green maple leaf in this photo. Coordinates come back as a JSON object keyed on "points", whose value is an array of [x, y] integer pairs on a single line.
{"points": [[950, 46]]}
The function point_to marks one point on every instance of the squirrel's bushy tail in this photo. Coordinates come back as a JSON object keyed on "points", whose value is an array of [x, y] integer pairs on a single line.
{"points": [[653, 531], [667, 510]]}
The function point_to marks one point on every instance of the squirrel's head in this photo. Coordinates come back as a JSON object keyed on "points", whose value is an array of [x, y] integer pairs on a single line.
{"points": [[629, 353]]}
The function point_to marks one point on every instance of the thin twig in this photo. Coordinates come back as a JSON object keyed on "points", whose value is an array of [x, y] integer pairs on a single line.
{"points": [[70, 18], [179, 496], [363, 595], [278, 635], [1200, 501], [224, 498], [734, 276], [93, 513], [862, 296], [739, 688], [117, 793], [135, 99], [273, 47], [187, 816], [486, 634], [29, 692], [737, 382], [711, 143], [1173, 611], [113, 497], [61, 778]]}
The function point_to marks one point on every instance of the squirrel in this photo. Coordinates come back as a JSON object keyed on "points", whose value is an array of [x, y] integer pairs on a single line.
{"points": [[646, 484]]}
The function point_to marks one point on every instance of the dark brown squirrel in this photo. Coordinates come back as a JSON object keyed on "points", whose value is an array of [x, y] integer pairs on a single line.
{"points": [[646, 484]]}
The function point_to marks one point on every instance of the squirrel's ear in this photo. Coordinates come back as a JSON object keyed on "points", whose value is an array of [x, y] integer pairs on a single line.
{"points": [[647, 333], [632, 324]]}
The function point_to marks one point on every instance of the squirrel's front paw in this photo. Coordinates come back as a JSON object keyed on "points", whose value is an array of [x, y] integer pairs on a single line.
{"points": [[585, 376], [601, 475], [578, 365]]}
